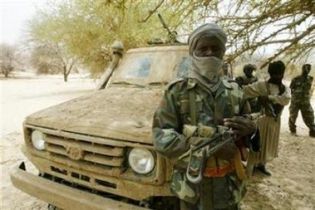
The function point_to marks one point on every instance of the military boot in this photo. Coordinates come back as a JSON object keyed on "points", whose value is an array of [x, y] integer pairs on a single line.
{"points": [[262, 169], [293, 132]]}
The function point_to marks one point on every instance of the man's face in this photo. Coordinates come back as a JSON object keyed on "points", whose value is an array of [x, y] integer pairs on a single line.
{"points": [[209, 46], [248, 72], [276, 78]]}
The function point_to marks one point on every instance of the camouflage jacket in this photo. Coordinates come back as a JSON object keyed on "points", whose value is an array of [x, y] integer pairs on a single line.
{"points": [[301, 88], [211, 108]]}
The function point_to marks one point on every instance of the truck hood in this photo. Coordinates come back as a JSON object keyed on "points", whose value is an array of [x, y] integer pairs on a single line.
{"points": [[122, 113]]}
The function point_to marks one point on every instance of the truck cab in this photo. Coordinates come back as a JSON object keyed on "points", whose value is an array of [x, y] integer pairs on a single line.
{"points": [[96, 151]]}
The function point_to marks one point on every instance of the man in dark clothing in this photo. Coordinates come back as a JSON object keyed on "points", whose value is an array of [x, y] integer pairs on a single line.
{"points": [[301, 97], [274, 95]]}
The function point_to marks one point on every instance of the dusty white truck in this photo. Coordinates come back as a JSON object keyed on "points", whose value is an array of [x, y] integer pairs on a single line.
{"points": [[96, 151]]}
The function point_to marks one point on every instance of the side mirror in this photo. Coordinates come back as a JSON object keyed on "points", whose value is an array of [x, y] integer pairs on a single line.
{"points": [[117, 48], [117, 51]]}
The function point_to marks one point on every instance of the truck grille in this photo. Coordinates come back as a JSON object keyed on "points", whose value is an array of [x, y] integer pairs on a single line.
{"points": [[86, 155]]}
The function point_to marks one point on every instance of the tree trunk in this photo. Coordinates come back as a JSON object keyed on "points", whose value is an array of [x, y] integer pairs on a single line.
{"points": [[6, 73], [65, 75]]}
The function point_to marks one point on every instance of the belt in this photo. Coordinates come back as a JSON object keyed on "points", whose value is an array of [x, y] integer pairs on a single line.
{"points": [[218, 171]]}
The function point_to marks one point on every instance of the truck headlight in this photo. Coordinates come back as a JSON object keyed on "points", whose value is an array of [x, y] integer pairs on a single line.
{"points": [[38, 140], [141, 160]]}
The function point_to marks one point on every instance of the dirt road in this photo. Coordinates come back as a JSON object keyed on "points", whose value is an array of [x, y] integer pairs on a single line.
{"points": [[292, 185]]}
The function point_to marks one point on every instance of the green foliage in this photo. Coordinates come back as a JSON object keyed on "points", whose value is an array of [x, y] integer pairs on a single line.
{"points": [[45, 60], [87, 28], [8, 59], [51, 58]]}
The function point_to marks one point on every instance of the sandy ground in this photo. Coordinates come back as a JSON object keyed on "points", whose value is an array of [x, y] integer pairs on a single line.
{"points": [[292, 185]]}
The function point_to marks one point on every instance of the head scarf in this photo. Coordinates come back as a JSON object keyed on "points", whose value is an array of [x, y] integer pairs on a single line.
{"points": [[206, 69], [248, 70], [277, 68], [209, 29], [306, 68]]}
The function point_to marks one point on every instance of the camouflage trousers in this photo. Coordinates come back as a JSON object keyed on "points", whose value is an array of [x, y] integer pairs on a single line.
{"points": [[307, 114], [219, 193]]}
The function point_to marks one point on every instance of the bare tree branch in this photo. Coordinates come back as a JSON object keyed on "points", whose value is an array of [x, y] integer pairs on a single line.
{"points": [[151, 12], [294, 42]]}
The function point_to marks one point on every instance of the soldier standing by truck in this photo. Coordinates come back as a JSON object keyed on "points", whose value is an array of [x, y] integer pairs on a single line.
{"points": [[301, 100], [194, 109]]}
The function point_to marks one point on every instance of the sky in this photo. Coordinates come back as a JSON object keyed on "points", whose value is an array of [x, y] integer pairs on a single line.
{"points": [[14, 15]]}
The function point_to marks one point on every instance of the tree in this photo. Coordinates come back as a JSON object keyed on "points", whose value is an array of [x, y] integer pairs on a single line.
{"points": [[51, 58], [253, 25], [287, 26], [7, 59], [88, 27]]}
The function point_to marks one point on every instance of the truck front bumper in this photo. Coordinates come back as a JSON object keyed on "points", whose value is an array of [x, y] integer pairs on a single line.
{"points": [[63, 196]]}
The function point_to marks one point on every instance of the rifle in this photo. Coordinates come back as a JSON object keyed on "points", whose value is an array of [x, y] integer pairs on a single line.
{"points": [[268, 107], [271, 109], [171, 35], [207, 147]]}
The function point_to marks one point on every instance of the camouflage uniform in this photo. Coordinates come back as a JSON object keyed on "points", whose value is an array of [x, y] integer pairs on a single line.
{"points": [[301, 95], [221, 191]]}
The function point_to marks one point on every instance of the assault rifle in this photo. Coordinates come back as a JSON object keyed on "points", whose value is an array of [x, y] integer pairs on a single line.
{"points": [[207, 147], [171, 34], [268, 107]]}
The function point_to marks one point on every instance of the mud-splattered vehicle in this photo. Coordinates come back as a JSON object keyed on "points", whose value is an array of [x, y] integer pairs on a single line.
{"points": [[96, 151]]}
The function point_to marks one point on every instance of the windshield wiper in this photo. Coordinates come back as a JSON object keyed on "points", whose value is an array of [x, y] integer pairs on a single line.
{"points": [[127, 83], [157, 83]]}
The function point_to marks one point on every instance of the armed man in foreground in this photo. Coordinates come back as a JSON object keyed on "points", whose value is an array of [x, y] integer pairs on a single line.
{"points": [[199, 125]]}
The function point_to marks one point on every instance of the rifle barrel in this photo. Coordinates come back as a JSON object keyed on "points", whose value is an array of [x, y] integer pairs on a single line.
{"points": [[163, 23]]}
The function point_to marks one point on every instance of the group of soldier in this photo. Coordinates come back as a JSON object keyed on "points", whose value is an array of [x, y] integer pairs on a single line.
{"points": [[301, 93], [204, 104], [300, 88]]}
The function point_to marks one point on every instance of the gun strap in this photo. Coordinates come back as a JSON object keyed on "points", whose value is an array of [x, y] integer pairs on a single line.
{"points": [[192, 106], [239, 168]]}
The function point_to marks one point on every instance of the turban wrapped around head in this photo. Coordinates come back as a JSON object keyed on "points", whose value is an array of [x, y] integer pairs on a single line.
{"points": [[209, 29], [276, 67]]}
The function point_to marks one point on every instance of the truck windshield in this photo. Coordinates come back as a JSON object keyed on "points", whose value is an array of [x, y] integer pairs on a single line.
{"points": [[151, 67], [138, 68]]}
